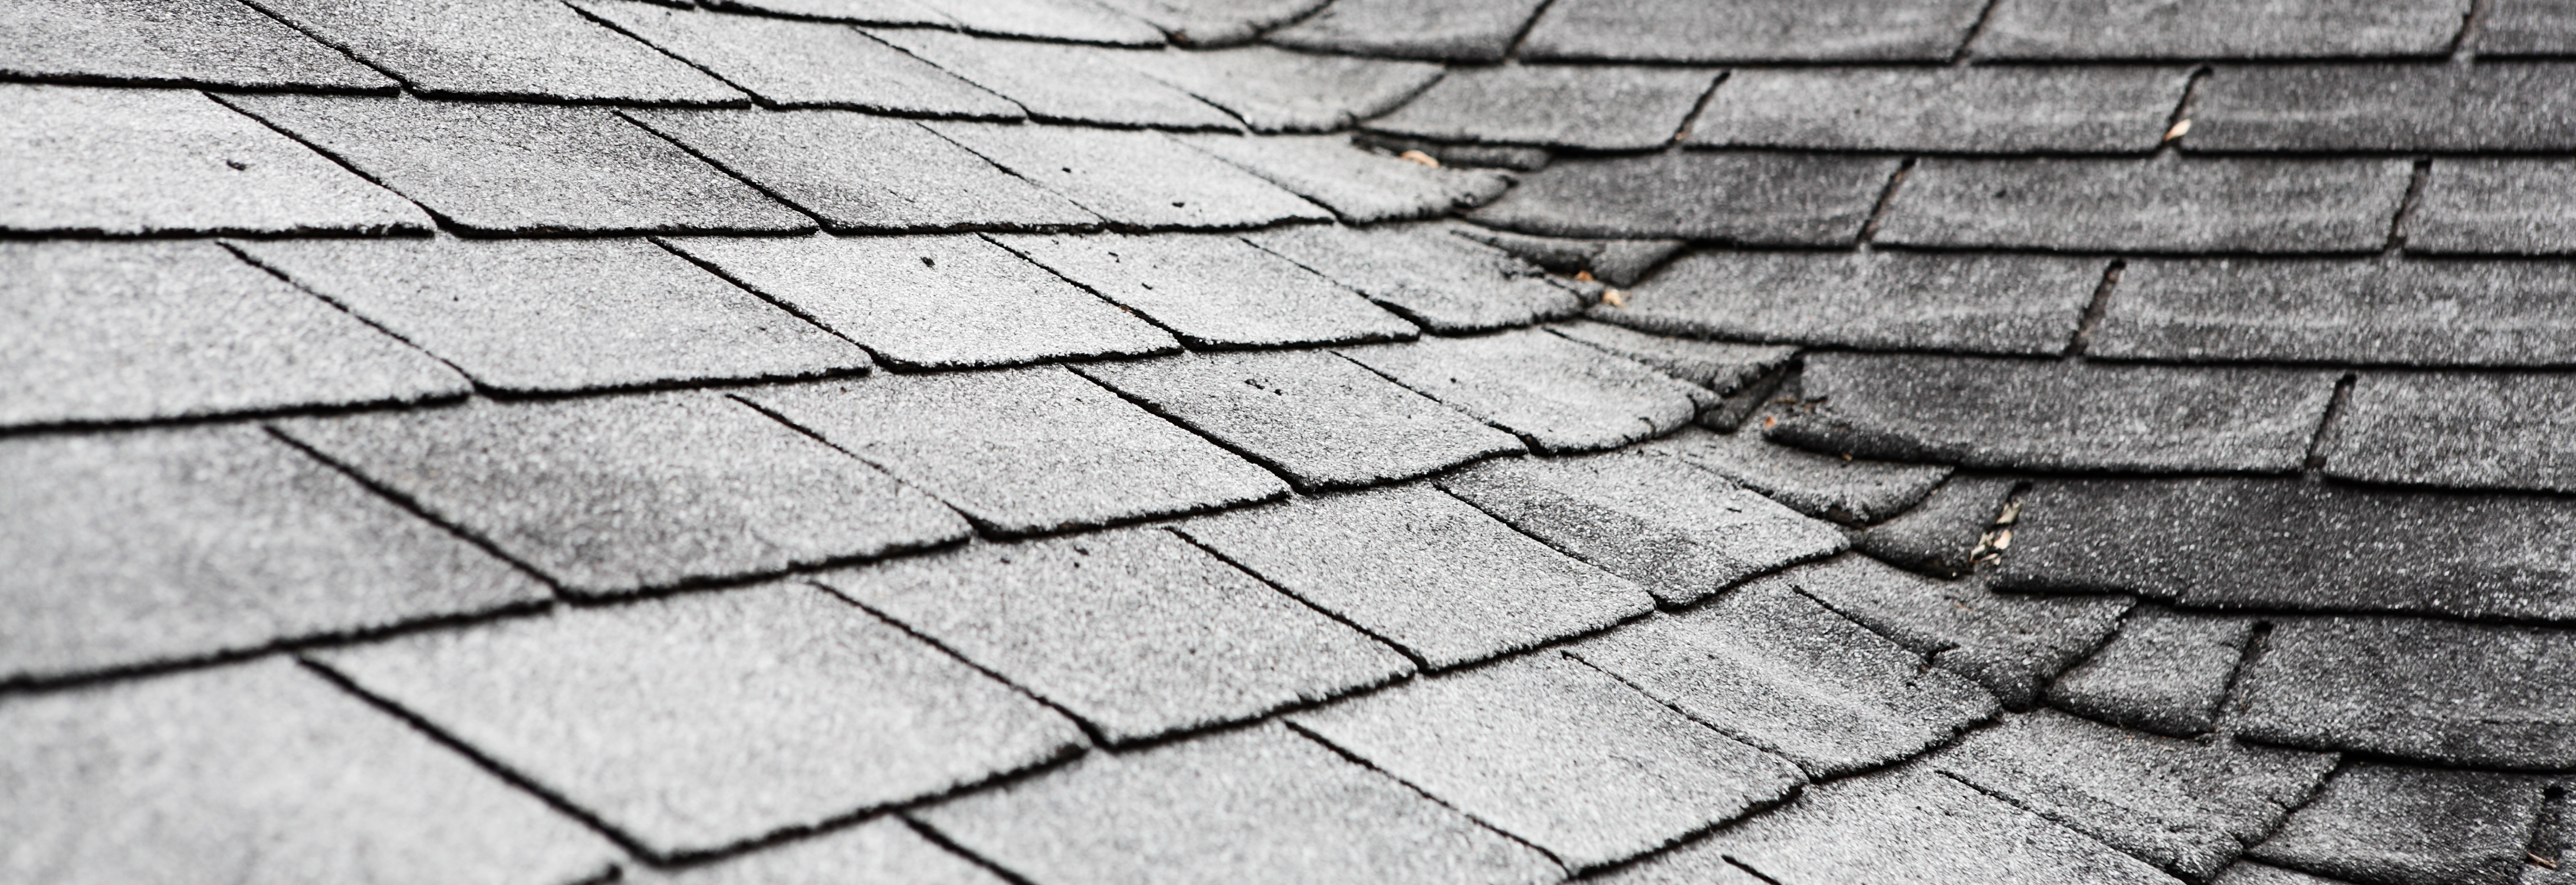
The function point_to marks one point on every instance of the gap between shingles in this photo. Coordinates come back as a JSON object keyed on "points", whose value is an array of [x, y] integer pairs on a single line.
{"points": [[2405, 217], [2472, 25], [1512, 50], [2091, 318], [2316, 456], [1886, 198], [1967, 46], [1356, 759]]}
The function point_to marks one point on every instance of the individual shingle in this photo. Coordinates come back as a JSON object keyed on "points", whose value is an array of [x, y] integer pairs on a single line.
{"points": [[2236, 204], [931, 302], [2049, 415], [2528, 27], [2012, 645], [2440, 691], [1214, 290], [787, 63], [132, 161], [1136, 180], [866, 12], [261, 773], [1557, 395], [521, 50], [1074, 21], [2165, 672], [554, 315], [1086, 85], [2014, 304], [2187, 806], [2457, 430], [2246, 872], [692, 723], [1758, 198], [1750, 30], [1940, 535], [867, 174], [1275, 90], [1316, 418], [2397, 825], [1681, 531], [113, 332], [1721, 367], [1999, 110], [1583, 107], [172, 545], [526, 169], [1824, 486], [209, 42], [1422, 570], [2496, 205], [2351, 311], [1557, 753], [1780, 672], [2411, 107], [1448, 284], [1026, 451], [1360, 186], [617, 494], [881, 850], [1137, 632], [2206, 29], [1208, 23], [1477, 156], [1445, 30], [1617, 262], [2287, 544], [1261, 806]]}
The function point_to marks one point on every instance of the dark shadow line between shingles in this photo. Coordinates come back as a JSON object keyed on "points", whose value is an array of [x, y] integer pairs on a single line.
{"points": [[2167, 142], [667, 385], [1520, 35], [932, 835], [674, 55], [1420, 664], [2464, 44], [2231, 700], [1356, 759], [232, 416], [2090, 320], [145, 82], [1878, 209], [436, 218], [2324, 435], [417, 508], [1090, 731], [1698, 109], [2404, 217], [783, 304], [282, 276], [262, 7], [820, 223], [26, 685], [1966, 53]]}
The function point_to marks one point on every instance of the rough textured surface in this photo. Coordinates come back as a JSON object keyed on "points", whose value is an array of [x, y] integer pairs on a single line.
{"points": [[794, 64], [2010, 304], [1681, 531], [1755, 198], [932, 302], [2166, 672], [906, 179], [702, 721], [2514, 107], [1360, 186], [1580, 107], [1448, 284], [1275, 90], [1138, 180], [1213, 290], [1136, 632], [2001, 110], [1262, 806], [187, 42], [1750, 30], [2343, 311], [1067, 20], [1434, 29], [1721, 367], [1316, 418], [1823, 486], [113, 332], [1216, 22], [2396, 825], [1026, 451], [1429, 574], [1557, 395], [1558, 753], [867, 12], [2246, 872], [2057, 416], [1940, 535], [467, 48], [2444, 692], [1063, 84], [2405, 428], [882, 850], [2161, 205], [1617, 262], [2206, 29], [2013, 645], [2509, 206], [2528, 27]]}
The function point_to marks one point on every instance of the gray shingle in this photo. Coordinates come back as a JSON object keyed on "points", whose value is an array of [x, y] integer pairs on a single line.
{"points": [[932, 302], [1447, 30], [2160, 205], [617, 494], [172, 545], [171, 42], [478, 49], [1075, 21], [1429, 574], [2441, 691], [1683, 532], [2017, 304], [869, 12], [526, 169], [2528, 27], [1135, 631], [788, 63], [1360, 186], [1558, 396], [1721, 367], [1448, 284], [2496, 205], [2012, 645], [697, 722], [1751, 30], [1778, 671], [866, 174], [1823, 486], [1206, 23], [1480, 156], [1584, 107], [132, 161], [883, 850], [2166, 672], [2264, 543], [1617, 262], [2246, 872], [1213, 290], [1318, 419], [553, 315], [261, 773], [1940, 535], [1275, 90], [1137, 180], [1057, 83], [1261, 806], [1559, 754], [2396, 825], [2457, 430], [112, 332], [1763, 198], [1026, 451], [2417, 107], [2498, 313], [2050, 415], [2206, 29], [2001, 110]]}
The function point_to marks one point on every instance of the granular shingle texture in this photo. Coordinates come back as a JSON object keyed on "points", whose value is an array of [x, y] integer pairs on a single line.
{"points": [[1557, 395], [2395, 825], [1360, 186], [1616, 262], [2410, 107], [881, 850], [2166, 672], [1318, 419], [1581, 107], [1209, 23], [1448, 284], [1062, 84], [1276, 90], [1214, 291], [158, 42], [1435, 29], [1750, 30], [1763, 198], [115, 332], [1138, 180], [2013, 645], [1557, 753], [2236, 204], [1136, 632], [2444, 692], [2513, 206], [2484, 313], [1844, 490], [2528, 27], [2207, 29], [867, 174], [1940, 536], [481, 49], [788, 63], [1722, 367], [698, 722], [2002, 110], [2407, 428], [2010, 304], [868, 12], [1074, 21]]}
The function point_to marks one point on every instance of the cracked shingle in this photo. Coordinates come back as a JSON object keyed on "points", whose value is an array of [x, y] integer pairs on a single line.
{"points": [[1058, 83], [2443, 692], [1448, 284], [2494, 313], [1275, 90], [1581, 107], [1823, 486], [2234, 204], [2396, 825], [2457, 430], [1138, 180], [2166, 672], [787, 63], [1940, 535], [507, 50], [2496, 206], [2011, 304], [1557, 395], [2002, 110], [1705, 31], [1360, 186], [2210, 29], [1752, 197], [1213, 290], [2422, 107], [867, 174], [2013, 645], [1442, 30], [171, 42]]}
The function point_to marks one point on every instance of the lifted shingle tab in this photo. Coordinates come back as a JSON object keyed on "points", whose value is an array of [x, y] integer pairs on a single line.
{"points": [[1703, 31], [2467, 313], [1213, 290], [516, 50], [2514, 206], [2445, 692], [1585, 107], [2460, 430], [1557, 395], [2011, 304], [2165, 672], [2411, 107], [2412, 826], [1208, 23], [1088, 85], [1442, 30], [1136, 180], [1823, 486], [1942, 535], [2000, 110], [2212, 29], [1359, 185], [2162, 205], [1759, 198], [804, 64], [171, 42], [2013, 645], [1275, 90], [1721, 367], [1447, 283], [867, 174]]}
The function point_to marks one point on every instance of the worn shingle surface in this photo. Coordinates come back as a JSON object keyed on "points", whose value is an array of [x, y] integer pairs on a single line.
{"points": [[2387, 107], [1216, 22], [867, 174], [1060, 83], [2201, 29], [2166, 672], [190, 42], [1213, 290], [2402, 428], [2498, 313], [1756, 198], [2003, 110], [2442, 692], [465, 48], [1360, 187], [2160, 205], [1143, 180], [1432, 29], [1750, 30], [1277, 90], [1558, 395], [2513, 206], [1448, 284], [2008, 643], [1846, 490], [1595, 108], [881, 850], [2412, 826], [787, 63], [2013, 304]]}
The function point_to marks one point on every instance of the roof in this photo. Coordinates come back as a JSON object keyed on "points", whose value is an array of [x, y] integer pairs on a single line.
{"points": [[1058, 442]]}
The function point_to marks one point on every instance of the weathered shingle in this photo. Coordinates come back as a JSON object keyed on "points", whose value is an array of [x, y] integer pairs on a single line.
{"points": [[2013, 645], [2528, 27], [2414, 107], [2159, 205], [1448, 284], [2517, 206], [1616, 262], [1557, 395], [1940, 535], [1137, 180], [1841, 489], [1721, 367], [2457, 430], [866, 12], [1208, 23], [2411, 826], [1446, 30], [2165, 672], [2206, 29], [171, 42], [2002, 110], [1751, 197], [1075, 21], [2445, 692], [1056, 83], [1584, 107], [787, 63], [2014, 304], [1275, 90], [1360, 186], [1750, 30], [474, 49], [1213, 290], [2497, 313], [882, 850], [867, 174]]}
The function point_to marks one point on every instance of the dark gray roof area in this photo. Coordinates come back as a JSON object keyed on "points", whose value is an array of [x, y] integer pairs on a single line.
{"points": [[1163, 442]]}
